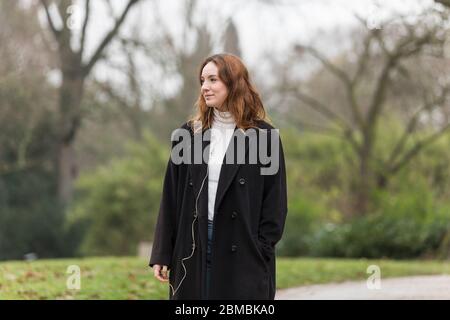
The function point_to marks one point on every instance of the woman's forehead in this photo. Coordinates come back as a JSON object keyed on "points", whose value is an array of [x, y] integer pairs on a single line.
{"points": [[210, 69]]}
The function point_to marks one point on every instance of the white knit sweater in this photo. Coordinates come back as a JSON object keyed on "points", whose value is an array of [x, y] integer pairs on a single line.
{"points": [[222, 130]]}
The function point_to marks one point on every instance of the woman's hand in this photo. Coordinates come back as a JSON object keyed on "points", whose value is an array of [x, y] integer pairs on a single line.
{"points": [[160, 272]]}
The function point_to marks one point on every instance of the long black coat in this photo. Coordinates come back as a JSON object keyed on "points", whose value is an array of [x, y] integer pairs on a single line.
{"points": [[249, 217]]}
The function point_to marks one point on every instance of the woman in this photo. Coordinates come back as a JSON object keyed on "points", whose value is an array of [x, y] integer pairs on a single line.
{"points": [[219, 220]]}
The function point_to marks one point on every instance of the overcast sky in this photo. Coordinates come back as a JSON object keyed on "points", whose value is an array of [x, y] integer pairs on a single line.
{"points": [[263, 28], [274, 27]]}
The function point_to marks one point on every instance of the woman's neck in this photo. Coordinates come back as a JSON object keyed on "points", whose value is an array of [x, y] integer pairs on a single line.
{"points": [[223, 118]]}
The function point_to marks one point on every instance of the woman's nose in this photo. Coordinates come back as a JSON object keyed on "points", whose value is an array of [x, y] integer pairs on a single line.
{"points": [[205, 87]]}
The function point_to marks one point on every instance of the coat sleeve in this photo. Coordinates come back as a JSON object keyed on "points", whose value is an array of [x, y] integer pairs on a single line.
{"points": [[274, 207], [164, 236]]}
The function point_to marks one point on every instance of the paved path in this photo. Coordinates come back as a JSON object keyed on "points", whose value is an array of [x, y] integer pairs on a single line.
{"points": [[417, 287]]}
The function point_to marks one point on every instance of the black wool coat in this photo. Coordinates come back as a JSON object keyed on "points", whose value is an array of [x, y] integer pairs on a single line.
{"points": [[249, 217]]}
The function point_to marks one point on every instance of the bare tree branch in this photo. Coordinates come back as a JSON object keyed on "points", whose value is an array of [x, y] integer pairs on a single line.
{"points": [[409, 46], [417, 148], [363, 59], [325, 62], [342, 75], [317, 106], [98, 52], [378, 97], [64, 13], [133, 79], [85, 23], [365, 55], [55, 31], [412, 123], [130, 110]]}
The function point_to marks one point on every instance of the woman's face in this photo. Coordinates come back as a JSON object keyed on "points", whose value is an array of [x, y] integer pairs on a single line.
{"points": [[214, 91]]}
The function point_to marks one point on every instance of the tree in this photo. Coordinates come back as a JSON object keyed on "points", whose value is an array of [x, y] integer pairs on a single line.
{"points": [[75, 68], [381, 61], [164, 113]]}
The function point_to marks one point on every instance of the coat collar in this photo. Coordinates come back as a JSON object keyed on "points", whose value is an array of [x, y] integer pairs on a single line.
{"points": [[227, 172]]}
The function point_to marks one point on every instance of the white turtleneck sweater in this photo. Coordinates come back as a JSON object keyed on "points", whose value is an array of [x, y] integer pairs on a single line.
{"points": [[222, 130]]}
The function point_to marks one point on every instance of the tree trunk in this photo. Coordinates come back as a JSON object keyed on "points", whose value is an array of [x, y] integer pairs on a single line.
{"points": [[67, 169], [364, 184], [71, 92]]}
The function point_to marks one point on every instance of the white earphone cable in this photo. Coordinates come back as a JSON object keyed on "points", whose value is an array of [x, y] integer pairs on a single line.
{"points": [[174, 291]]}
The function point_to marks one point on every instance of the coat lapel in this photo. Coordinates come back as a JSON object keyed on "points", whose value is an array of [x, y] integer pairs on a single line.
{"points": [[227, 171]]}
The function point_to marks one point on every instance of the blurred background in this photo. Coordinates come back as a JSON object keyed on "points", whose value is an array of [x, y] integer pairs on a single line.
{"points": [[90, 92]]}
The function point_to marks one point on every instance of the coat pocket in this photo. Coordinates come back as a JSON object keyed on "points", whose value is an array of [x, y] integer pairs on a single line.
{"points": [[260, 251]]}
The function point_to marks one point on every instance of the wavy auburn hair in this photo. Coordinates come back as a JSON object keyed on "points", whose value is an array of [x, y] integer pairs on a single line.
{"points": [[243, 101]]}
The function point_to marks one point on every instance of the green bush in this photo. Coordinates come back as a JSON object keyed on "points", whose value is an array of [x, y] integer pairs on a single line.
{"points": [[116, 205], [301, 222], [316, 188], [405, 225]]}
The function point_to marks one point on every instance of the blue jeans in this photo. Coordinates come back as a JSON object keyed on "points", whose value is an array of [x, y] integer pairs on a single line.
{"points": [[208, 257]]}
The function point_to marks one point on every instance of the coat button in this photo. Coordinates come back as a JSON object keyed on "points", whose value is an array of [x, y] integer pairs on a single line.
{"points": [[242, 181], [190, 183], [234, 215], [233, 248]]}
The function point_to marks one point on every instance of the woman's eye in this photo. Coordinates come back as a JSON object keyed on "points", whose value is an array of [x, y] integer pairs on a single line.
{"points": [[212, 80]]}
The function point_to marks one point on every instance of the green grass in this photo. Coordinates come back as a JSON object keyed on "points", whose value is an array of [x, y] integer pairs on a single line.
{"points": [[131, 278]]}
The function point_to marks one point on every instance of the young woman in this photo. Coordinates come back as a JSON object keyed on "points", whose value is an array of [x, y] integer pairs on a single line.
{"points": [[219, 220]]}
